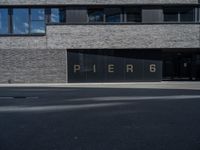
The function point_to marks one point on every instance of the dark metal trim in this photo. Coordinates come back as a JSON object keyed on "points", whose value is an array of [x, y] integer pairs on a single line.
{"points": [[126, 23]]}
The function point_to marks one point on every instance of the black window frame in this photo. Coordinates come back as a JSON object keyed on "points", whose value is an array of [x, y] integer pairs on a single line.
{"points": [[179, 10], [99, 9], [12, 20], [31, 20], [137, 9], [121, 20], [8, 21], [61, 10]]}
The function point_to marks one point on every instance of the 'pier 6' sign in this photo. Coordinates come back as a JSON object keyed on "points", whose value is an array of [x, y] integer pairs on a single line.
{"points": [[114, 66]]}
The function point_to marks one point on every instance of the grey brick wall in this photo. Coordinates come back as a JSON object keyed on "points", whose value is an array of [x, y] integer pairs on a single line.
{"points": [[49, 2], [32, 66], [42, 59], [123, 36], [109, 36], [23, 42]]}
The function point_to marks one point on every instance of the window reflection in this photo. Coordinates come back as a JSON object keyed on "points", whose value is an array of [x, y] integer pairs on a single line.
{"points": [[113, 14], [171, 14], [20, 21], [179, 14], [187, 15], [3, 21], [37, 14], [37, 20], [133, 15], [37, 27], [57, 15], [96, 15]]}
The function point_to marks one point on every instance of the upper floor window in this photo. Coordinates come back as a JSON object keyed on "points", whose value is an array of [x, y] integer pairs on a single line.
{"points": [[179, 14], [96, 15], [3, 21], [113, 14], [133, 14], [57, 15], [187, 15], [171, 14], [37, 20], [20, 19]]}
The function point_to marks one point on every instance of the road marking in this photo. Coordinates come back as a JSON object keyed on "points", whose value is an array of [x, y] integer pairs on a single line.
{"points": [[136, 98], [54, 107], [18, 97]]}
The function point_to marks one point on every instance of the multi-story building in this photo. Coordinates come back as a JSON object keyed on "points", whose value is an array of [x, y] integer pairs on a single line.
{"points": [[61, 41]]}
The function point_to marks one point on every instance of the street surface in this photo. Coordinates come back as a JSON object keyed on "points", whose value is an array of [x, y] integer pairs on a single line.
{"points": [[99, 118]]}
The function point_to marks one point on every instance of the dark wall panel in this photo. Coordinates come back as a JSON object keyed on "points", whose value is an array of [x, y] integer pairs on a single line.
{"points": [[134, 66], [152, 65], [76, 68], [76, 15], [150, 15], [114, 65], [94, 63]]}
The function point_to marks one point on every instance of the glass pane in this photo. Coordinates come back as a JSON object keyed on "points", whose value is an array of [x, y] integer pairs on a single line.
{"points": [[171, 14], [20, 21], [55, 15], [3, 21], [58, 15], [62, 15], [37, 14], [96, 15], [113, 14], [187, 15], [133, 15], [37, 27]]}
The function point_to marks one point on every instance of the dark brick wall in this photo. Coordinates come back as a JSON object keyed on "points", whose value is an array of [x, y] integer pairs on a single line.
{"points": [[32, 66]]}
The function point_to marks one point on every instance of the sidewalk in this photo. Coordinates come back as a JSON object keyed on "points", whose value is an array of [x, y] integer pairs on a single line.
{"points": [[155, 85]]}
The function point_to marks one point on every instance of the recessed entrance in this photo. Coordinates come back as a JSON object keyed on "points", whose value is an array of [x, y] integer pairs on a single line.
{"points": [[181, 65]]}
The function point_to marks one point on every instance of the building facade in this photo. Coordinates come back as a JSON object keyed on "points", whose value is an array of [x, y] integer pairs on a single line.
{"points": [[64, 41]]}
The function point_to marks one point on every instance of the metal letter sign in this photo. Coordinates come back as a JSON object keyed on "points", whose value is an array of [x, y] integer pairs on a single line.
{"points": [[87, 67]]}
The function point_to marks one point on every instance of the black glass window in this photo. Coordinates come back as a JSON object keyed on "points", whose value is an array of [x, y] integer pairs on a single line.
{"points": [[113, 14], [133, 15], [96, 15], [3, 21], [20, 20], [187, 15], [37, 20], [171, 14], [57, 15]]}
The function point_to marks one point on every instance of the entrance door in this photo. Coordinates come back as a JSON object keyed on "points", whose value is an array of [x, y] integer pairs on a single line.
{"points": [[177, 66]]}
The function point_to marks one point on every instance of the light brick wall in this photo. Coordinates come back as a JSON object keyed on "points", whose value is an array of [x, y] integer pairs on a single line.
{"points": [[123, 36]]}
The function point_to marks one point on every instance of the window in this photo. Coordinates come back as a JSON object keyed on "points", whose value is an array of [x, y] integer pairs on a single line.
{"points": [[179, 14], [96, 15], [170, 14], [187, 15], [133, 14], [3, 21], [20, 20], [57, 15], [37, 20], [113, 14]]}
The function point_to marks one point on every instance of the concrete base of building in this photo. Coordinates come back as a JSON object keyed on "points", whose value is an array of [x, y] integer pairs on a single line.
{"points": [[143, 85]]}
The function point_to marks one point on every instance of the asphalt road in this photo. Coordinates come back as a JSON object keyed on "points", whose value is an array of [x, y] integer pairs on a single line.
{"points": [[99, 119]]}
